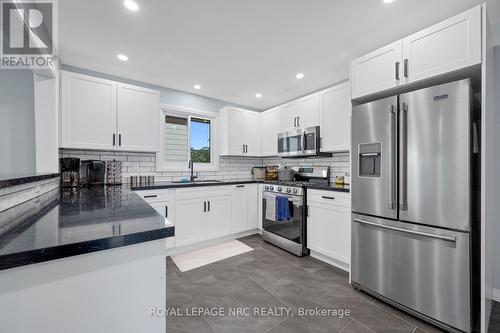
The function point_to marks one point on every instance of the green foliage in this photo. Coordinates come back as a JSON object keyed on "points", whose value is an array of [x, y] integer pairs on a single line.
{"points": [[200, 155]]}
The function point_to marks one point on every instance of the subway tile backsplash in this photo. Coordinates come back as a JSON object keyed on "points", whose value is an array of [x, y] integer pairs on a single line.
{"points": [[230, 168]]}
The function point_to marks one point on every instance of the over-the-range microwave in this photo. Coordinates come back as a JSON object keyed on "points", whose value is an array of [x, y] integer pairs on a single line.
{"points": [[299, 142]]}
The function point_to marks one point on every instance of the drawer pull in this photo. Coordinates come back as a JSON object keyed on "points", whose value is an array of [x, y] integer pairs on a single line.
{"points": [[240, 185], [326, 197], [413, 232], [151, 196]]}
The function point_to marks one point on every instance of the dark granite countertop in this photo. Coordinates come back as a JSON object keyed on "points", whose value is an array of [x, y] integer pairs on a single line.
{"points": [[12, 179], [68, 222], [166, 185], [158, 185]]}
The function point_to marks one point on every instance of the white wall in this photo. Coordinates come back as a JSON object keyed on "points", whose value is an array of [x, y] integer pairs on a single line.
{"points": [[496, 227], [17, 122], [47, 123], [490, 164]]}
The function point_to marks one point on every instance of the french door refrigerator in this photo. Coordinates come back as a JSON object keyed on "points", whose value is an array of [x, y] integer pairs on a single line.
{"points": [[412, 167]]}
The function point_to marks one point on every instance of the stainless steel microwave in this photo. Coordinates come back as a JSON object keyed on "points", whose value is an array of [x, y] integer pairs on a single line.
{"points": [[299, 142]]}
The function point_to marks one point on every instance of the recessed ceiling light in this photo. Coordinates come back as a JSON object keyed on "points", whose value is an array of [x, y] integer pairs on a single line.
{"points": [[258, 95], [122, 57], [131, 5], [388, 1], [299, 76], [197, 87]]}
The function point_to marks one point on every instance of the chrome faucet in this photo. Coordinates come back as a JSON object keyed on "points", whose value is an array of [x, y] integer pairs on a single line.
{"points": [[193, 175]]}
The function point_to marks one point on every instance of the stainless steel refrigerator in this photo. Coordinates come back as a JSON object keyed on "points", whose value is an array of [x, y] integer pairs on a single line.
{"points": [[413, 174]]}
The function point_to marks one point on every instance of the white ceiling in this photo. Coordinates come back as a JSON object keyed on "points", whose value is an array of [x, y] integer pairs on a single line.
{"points": [[237, 48]]}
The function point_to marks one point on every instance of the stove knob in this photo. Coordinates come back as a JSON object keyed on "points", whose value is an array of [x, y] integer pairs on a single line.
{"points": [[266, 187], [295, 191], [279, 188], [271, 188], [288, 190]]}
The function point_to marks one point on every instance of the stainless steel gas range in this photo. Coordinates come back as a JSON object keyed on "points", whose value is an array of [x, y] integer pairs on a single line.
{"points": [[290, 234]]}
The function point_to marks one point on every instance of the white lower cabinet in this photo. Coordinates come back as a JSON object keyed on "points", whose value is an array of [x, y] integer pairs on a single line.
{"points": [[206, 212], [239, 208], [161, 207], [328, 225], [190, 221], [244, 207], [218, 222], [252, 206]]}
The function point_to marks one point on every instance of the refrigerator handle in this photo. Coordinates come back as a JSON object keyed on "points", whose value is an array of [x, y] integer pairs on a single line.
{"points": [[413, 232], [403, 146], [392, 158]]}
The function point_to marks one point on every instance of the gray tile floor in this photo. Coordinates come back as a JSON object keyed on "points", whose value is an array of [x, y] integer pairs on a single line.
{"points": [[272, 278], [495, 319]]}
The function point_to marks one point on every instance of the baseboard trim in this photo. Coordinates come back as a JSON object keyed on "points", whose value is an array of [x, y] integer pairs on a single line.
{"points": [[341, 265], [196, 246], [496, 295]]}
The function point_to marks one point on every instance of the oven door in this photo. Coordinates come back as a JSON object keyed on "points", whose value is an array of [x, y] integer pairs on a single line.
{"points": [[292, 229]]}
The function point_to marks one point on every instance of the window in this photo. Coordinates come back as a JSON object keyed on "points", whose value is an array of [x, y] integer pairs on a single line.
{"points": [[200, 140], [187, 136]]}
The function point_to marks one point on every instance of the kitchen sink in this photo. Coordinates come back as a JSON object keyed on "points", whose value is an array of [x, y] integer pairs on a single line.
{"points": [[205, 181]]}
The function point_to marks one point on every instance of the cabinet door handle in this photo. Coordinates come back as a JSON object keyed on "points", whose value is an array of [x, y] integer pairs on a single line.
{"points": [[209, 206], [329, 198], [119, 139], [246, 149], [240, 185], [150, 196], [295, 122], [405, 69], [204, 206], [243, 148], [166, 211], [397, 70], [114, 139], [298, 121]]}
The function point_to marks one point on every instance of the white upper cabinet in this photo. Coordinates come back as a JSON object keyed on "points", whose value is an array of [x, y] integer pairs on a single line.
{"points": [[335, 130], [138, 118], [251, 133], [103, 114], [377, 71], [88, 112], [302, 112], [239, 132], [443, 48], [270, 126]]}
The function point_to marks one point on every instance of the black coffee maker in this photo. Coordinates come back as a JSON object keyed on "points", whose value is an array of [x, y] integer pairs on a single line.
{"points": [[70, 171], [93, 172]]}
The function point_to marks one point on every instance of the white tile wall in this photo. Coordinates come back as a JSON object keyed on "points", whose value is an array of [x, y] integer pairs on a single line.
{"points": [[14, 195], [230, 168], [339, 163]]}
